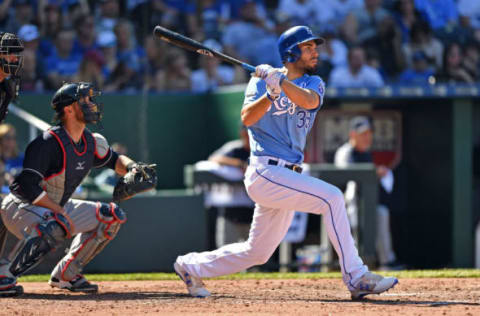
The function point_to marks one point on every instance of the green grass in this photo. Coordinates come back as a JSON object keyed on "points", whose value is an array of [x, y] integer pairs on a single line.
{"points": [[444, 273]]}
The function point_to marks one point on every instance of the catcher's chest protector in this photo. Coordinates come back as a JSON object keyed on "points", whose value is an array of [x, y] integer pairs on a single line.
{"points": [[76, 165]]}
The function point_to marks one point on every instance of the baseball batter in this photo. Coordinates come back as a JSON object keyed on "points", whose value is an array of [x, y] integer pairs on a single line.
{"points": [[40, 212], [279, 109]]}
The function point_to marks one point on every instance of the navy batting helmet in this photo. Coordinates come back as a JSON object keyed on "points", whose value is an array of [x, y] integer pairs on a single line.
{"points": [[289, 40]]}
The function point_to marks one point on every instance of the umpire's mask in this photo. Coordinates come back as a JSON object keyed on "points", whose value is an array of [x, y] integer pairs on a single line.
{"points": [[10, 45]]}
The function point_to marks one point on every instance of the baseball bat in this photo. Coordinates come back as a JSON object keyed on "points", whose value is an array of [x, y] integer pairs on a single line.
{"points": [[192, 45]]}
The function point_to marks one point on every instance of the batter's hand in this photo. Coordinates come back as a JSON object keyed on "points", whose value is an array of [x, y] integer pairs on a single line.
{"points": [[261, 71], [274, 93], [274, 79]]}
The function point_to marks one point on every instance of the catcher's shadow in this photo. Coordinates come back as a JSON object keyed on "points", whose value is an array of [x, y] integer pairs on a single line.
{"points": [[104, 296]]}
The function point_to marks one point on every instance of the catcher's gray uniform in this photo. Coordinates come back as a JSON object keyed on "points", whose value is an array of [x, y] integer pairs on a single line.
{"points": [[55, 165]]}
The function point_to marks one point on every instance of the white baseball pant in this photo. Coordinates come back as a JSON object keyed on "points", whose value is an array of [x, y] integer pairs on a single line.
{"points": [[277, 191]]}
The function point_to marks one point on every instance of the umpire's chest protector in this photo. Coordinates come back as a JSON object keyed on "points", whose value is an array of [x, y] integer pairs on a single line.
{"points": [[77, 163]]}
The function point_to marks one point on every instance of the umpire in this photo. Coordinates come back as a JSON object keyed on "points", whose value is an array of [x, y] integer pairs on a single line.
{"points": [[40, 211], [11, 61]]}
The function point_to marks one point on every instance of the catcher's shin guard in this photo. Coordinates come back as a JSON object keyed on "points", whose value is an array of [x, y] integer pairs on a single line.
{"points": [[46, 236], [86, 246]]}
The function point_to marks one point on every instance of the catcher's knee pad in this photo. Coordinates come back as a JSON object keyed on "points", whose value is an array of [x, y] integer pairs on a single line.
{"points": [[110, 217], [85, 248], [44, 238]]}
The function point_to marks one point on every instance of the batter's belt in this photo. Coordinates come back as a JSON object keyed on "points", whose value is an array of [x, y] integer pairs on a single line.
{"points": [[267, 160]]}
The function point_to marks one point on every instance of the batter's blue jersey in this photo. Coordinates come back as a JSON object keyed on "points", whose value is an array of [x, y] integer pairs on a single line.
{"points": [[282, 131]]}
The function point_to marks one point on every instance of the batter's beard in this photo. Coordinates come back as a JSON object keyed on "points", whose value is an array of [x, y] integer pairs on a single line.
{"points": [[311, 70]]}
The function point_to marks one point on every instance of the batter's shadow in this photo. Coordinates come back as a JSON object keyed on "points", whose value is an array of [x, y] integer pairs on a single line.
{"points": [[366, 300], [398, 302], [104, 296]]}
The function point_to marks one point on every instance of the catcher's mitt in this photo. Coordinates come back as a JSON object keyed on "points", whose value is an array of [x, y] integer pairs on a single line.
{"points": [[140, 177]]}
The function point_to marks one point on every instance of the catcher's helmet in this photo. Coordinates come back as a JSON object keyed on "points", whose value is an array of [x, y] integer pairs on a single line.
{"points": [[73, 92], [10, 44], [289, 40]]}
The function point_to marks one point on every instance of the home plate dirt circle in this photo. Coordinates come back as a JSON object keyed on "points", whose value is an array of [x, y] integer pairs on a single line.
{"points": [[454, 296]]}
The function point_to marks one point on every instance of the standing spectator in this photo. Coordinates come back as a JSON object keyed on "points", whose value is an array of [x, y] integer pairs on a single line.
{"points": [[108, 16], [33, 71], [74, 9], [11, 156], [4, 12], [471, 59], [177, 15], [420, 73], [183, 14], [127, 74], [469, 11], [334, 49], [63, 64], [315, 13], [343, 8], [251, 38], [453, 69], [50, 25], [360, 25], [30, 81], [421, 38], [107, 42], [439, 14], [141, 13], [388, 45], [212, 74], [356, 73], [90, 69], [405, 16], [358, 150], [214, 14], [373, 60], [176, 75], [23, 15], [86, 35], [30, 36], [155, 58], [236, 7]]}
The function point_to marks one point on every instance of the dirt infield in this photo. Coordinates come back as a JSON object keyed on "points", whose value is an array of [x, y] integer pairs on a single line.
{"points": [[255, 297]]}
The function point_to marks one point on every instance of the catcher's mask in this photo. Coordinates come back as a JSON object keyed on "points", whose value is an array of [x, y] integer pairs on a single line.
{"points": [[76, 92], [10, 47]]}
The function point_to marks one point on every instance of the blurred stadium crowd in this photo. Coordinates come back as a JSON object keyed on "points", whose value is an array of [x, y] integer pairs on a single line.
{"points": [[368, 42]]}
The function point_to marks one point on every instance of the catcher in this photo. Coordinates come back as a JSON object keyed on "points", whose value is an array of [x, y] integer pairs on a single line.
{"points": [[11, 49], [40, 211]]}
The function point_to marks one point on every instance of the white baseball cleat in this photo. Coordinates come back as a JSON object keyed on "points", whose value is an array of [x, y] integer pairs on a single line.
{"points": [[371, 283], [195, 286]]}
